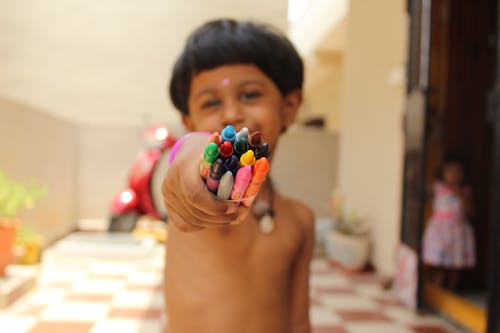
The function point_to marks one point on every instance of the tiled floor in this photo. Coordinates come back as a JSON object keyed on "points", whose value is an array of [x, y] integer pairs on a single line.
{"points": [[96, 295]]}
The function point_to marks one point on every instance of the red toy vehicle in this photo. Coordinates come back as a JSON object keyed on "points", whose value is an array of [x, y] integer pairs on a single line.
{"points": [[143, 194]]}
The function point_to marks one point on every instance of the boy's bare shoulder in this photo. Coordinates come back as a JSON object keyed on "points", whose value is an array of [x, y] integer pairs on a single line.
{"points": [[299, 213]]}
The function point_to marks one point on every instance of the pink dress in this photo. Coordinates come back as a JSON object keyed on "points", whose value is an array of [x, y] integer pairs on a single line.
{"points": [[448, 238]]}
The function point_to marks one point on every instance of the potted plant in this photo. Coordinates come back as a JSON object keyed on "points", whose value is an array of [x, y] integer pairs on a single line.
{"points": [[14, 197], [348, 243]]}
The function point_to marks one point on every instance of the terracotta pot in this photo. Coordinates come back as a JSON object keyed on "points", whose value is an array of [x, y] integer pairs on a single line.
{"points": [[7, 238]]}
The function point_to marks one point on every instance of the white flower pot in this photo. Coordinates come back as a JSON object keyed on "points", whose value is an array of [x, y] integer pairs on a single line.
{"points": [[351, 251]]}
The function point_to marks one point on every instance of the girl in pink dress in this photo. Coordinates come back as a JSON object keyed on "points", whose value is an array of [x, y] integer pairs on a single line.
{"points": [[448, 242]]}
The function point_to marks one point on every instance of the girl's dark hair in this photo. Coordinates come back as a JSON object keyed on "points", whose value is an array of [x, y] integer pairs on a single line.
{"points": [[225, 42], [451, 158]]}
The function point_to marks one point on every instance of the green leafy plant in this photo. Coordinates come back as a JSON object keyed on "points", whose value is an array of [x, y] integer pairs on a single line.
{"points": [[347, 223], [15, 197]]}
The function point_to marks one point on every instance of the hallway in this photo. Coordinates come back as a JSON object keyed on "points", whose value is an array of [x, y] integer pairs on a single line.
{"points": [[95, 294]]}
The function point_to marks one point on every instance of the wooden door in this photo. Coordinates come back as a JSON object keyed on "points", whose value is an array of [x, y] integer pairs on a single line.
{"points": [[415, 129]]}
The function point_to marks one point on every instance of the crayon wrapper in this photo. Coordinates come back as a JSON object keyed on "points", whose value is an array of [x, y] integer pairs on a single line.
{"points": [[204, 168]]}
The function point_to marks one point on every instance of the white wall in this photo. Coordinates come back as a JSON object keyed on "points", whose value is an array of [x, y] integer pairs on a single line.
{"points": [[371, 138], [35, 145]]}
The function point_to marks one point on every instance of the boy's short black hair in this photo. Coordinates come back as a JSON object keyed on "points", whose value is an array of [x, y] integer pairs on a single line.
{"points": [[226, 41]]}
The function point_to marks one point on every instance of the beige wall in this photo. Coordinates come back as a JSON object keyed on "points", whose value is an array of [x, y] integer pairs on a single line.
{"points": [[370, 149], [105, 155], [323, 89], [36, 145], [305, 167]]}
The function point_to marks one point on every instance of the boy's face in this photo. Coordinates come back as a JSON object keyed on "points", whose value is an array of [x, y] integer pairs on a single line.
{"points": [[243, 96]]}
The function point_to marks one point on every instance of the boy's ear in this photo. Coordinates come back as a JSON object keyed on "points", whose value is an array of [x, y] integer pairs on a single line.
{"points": [[187, 123], [292, 102]]}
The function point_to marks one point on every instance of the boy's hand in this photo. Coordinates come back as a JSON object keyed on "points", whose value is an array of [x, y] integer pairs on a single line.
{"points": [[190, 206]]}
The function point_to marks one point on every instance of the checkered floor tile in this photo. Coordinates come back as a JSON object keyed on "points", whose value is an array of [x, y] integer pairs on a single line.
{"points": [[96, 295]]}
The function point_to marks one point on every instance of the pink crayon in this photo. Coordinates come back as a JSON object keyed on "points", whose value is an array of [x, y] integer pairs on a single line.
{"points": [[243, 178]]}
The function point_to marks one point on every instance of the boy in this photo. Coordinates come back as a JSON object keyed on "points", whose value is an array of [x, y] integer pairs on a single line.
{"points": [[223, 273]]}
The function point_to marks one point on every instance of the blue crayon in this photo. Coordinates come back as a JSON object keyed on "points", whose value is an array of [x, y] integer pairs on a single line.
{"points": [[228, 134], [232, 164]]}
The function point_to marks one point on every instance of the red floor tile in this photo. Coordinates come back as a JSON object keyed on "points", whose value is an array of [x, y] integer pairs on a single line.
{"points": [[362, 315], [60, 327], [135, 313]]}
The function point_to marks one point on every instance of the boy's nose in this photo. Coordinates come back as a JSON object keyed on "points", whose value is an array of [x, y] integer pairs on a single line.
{"points": [[232, 114]]}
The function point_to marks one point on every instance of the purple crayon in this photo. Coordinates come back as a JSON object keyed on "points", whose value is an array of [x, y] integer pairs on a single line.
{"points": [[216, 171]]}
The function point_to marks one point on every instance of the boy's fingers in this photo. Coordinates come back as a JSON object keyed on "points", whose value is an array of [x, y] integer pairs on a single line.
{"points": [[199, 216], [198, 196], [181, 223]]}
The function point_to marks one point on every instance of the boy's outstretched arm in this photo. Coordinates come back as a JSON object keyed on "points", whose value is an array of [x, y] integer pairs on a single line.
{"points": [[191, 207], [299, 300]]}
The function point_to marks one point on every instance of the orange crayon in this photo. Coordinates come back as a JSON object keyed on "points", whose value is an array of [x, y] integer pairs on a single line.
{"points": [[260, 169], [215, 137]]}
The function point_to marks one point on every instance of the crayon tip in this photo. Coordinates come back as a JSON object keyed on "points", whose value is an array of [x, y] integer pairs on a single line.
{"points": [[255, 139], [217, 169], [241, 145], [226, 149], [243, 133], [261, 165], [228, 133], [232, 164], [215, 137], [247, 158], [262, 150], [211, 152]]}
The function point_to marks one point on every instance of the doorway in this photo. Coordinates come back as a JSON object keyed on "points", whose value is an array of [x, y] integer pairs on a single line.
{"points": [[461, 75]]}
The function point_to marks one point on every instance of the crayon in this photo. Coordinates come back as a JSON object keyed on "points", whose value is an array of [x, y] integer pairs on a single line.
{"points": [[228, 134], [226, 149], [243, 133], [240, 146], [215, 137], [232, 164], [216, 171], [255, 139], [225, 186], [262, 151], [209, 155], [247, 158], [243, 178], [259, 173]]}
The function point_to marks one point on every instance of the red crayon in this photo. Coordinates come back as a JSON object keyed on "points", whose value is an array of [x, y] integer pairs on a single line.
{"points": [[226, 149]]}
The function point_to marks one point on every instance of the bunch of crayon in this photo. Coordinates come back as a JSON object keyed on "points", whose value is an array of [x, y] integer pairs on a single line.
{"points": [[235, 164]]}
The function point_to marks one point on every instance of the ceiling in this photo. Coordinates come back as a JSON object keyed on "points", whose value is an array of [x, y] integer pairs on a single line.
{"points": [[106, 62]]}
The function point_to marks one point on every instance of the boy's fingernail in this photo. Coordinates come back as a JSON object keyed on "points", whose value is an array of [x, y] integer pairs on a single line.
{"points": [[236, 222]]}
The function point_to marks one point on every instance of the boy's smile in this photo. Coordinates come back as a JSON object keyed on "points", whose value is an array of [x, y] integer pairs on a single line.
{"points": [[243, 96]]}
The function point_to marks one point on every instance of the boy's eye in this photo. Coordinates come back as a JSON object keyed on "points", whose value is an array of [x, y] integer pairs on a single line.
{"points": [[210, 103], [250, 95]]}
